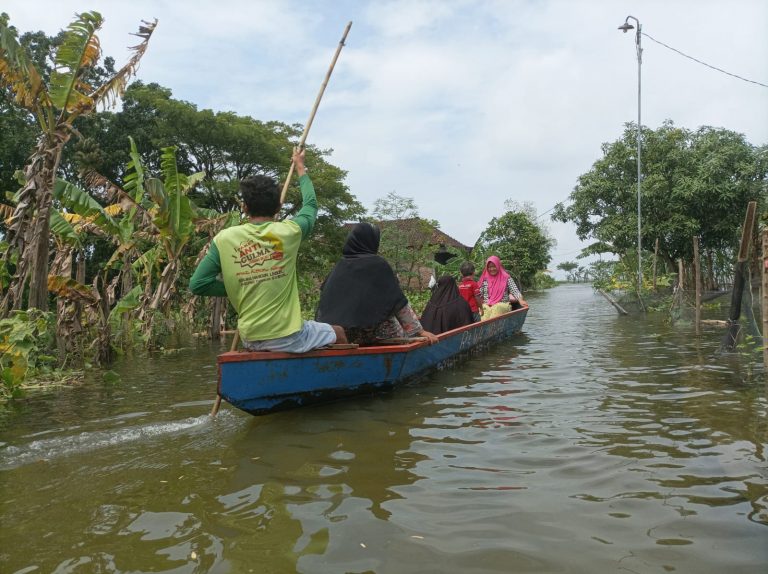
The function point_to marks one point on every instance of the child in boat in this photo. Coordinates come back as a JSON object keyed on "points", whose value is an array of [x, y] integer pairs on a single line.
{"points": [[257, 261], [469, 289], [499, 290], [446, 309], [363, 295]]}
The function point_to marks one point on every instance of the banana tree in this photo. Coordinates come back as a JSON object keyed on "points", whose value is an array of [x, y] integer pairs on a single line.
{"points": [[174, 216], [55, 104], [209, 222], [152, 225], [75, 299]]}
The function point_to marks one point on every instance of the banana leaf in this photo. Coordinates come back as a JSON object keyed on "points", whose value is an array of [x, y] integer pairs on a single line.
{"points": [[129, 302], [64, 229], [68, 288], [79, 201], [79, 51]]}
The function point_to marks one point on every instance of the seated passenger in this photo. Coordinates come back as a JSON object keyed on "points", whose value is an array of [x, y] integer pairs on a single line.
{"points": [[469, 289], [363, 295], [446, 309], [499, 291]]}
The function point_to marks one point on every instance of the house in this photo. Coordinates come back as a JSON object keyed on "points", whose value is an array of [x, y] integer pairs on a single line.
{"points": [[414, 235]]}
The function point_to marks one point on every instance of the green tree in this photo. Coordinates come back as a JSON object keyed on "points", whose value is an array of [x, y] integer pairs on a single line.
{"points": [[17, 125], [522, 245], [405, 237], [694, 183], [568, 267], [225, 148], [19, 133], [55, 103]]}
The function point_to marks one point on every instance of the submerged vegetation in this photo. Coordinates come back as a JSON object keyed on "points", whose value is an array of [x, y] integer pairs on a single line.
{"points": [[105, 214], [104, 223]]}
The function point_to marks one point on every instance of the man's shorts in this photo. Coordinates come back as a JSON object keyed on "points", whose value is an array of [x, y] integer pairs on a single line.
{"points": [[311, 336]]}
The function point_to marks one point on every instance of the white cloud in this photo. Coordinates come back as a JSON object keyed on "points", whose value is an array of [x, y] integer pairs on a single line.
{"points": [[458, 104]]}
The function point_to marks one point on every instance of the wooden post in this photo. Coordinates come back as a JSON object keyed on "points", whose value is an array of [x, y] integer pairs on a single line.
{"points": [[613, 302], [697, 278], [655, 257], [729, 341], [680, 281], [216, 318], [764, 306]]}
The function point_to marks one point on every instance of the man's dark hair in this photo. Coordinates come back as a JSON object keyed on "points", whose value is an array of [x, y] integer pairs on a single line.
{"points": [[260, 195], [467, 268]]}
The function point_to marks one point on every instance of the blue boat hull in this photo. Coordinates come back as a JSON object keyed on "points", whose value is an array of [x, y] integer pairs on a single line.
{"points": [[264, 382]]}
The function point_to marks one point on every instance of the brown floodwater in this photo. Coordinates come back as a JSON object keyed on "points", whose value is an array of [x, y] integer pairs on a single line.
{"points": [[588, 443]]}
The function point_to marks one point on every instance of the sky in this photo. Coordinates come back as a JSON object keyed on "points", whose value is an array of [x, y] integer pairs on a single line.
{"points": [[460, 105]]}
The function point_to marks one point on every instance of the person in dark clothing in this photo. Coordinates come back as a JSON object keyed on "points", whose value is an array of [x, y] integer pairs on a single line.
{"points": [[363, 295], [446, 309]]}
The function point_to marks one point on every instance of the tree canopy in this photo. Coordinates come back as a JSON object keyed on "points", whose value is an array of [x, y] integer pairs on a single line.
{"points": [[56, 96], [224, 147], [694, 182], [521, 243]]}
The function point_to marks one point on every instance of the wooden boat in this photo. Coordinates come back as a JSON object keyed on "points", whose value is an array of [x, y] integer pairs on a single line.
{"points": [[263, 382]]}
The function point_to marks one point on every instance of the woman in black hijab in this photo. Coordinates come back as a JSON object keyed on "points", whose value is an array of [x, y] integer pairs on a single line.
{"points": [[446, 309], [363, 295]]}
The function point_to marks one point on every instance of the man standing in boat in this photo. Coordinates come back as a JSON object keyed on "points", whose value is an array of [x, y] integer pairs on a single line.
{"points": [[257, 261]]}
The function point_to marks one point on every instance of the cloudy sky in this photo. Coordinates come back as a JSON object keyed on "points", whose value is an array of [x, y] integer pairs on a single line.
{"points": [[458, 104]]}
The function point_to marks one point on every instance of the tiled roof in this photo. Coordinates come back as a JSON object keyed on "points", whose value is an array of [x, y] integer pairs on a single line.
{"points": [[409, 225]]}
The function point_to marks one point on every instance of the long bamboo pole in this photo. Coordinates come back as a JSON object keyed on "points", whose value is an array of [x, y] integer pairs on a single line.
{"points": [[236, 339], [217, 402], [314, 108], [613, 302]]}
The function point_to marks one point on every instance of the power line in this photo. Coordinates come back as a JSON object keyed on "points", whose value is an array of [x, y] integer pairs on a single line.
{"points": [[547, 211], [703, 63]]}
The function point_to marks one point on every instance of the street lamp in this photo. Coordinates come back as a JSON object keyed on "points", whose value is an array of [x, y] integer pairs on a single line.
{"points": [[626, 27]]}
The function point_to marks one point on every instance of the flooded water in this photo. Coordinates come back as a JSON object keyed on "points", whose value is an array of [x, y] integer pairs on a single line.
{"points": [[589, 443]]}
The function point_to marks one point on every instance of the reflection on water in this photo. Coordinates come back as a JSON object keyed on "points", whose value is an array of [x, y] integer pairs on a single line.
{"points": [[589, 443]]}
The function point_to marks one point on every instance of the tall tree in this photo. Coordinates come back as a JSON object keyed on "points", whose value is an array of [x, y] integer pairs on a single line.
{"points": [[405, 237], [694, 183], [55, 103], [522, 245], [224, 147], [569, 267]]}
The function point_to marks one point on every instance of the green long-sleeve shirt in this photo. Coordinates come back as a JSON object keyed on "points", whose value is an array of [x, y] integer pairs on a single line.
{"points": [[205, 279]]}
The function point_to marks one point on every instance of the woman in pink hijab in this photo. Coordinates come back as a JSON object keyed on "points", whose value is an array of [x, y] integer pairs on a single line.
{"points": [[499, 291]]}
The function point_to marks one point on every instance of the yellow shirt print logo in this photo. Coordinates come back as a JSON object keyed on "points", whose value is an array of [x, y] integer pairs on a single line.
{"points": [[252, 253]]}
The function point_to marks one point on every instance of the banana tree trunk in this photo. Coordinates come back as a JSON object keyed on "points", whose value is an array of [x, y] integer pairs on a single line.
{"points": [[104, 337], [126, 279], [67, 312], [29, 233], [164, 289], [80, 273], [161, 295]]}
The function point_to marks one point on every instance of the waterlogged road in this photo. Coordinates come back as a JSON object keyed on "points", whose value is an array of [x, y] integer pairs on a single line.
{"points": [[589, 443]]}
